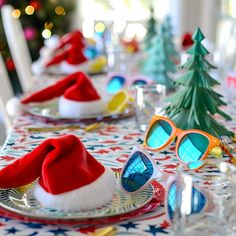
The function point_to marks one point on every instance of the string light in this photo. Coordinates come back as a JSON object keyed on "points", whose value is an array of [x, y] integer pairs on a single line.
{"points": [[29, 10], [59, 10], [16, 13], [46, 33], [48, 25]]}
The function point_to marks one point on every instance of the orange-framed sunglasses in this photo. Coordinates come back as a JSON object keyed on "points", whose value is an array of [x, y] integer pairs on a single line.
{"points": [[192, 146]]}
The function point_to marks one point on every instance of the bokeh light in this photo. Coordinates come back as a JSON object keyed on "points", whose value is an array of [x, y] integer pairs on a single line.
{"points": [[29, 10], [46, 33], [48, 25], [100, 27], [59, 10], [16, 13]]}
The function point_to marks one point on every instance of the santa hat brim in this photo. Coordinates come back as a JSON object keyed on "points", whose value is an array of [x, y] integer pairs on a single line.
{"points": [[91, 196], [74, 109], [67, 68]]}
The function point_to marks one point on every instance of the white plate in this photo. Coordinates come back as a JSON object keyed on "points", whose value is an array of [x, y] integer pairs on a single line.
{"points": [[22, 201]]}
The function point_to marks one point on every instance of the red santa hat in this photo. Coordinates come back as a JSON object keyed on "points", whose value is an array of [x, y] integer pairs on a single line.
{"points": [[187, 40], [78, 97], [75, 38], [72, 55], [69, 60], [70, 178]]}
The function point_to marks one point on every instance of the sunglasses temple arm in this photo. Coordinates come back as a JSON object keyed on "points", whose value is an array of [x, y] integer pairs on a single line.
{"points": [[226, 150], [161, 176]]}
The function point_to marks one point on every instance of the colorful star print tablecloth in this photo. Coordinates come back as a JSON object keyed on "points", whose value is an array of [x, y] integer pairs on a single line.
{"points": [[111, 144]]}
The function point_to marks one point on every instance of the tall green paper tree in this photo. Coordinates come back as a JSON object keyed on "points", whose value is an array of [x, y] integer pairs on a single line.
{"points": [[168, 34], [195, 105], [151, 30], [158, 64]]}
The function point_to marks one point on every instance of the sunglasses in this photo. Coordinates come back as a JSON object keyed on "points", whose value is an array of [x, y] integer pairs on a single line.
{"points": [[118, 81], [192, 145], [140, 170]]}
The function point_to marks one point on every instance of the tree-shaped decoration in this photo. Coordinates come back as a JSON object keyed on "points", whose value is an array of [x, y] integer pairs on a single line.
{"points": [[158, 64], [168, 34], [195, 105], [151, 30]]}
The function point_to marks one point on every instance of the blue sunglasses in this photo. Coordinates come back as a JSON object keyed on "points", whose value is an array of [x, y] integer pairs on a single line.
{"points": [[139, 171], [118, 81]]}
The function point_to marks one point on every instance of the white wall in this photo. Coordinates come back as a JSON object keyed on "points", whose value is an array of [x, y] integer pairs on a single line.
{"points": [[197, 13], [186, 16]]}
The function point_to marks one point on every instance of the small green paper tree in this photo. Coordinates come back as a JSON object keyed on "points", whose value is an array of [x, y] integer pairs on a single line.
{"points": [[151, 31], [158, 64], [168, 34], [194, 105]]}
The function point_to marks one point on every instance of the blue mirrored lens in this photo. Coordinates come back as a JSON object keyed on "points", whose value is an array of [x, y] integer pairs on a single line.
{"points": [[192, 147], [198, 201], [137, 172], [158, 134], [139, 82], [171, 198], [115, 84]]}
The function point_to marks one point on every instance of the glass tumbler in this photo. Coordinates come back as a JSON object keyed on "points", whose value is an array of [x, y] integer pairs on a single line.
{"points": [[205, 200], [150, 100]]}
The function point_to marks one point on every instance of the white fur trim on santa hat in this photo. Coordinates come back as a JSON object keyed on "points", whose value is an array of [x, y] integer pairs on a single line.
{"points": [[38, 67], [68, 68], [14, 107], [74, 109], [91, 196], [52, 42]]}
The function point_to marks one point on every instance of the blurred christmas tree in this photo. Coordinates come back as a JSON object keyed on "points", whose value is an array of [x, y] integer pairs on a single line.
{"points": [[158, 64], [40, 19], [151, 30], [170, 46]]}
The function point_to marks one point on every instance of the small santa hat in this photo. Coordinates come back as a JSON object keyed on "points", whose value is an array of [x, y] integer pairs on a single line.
{"points": [[78, 96], [70, 178], [72, 56], [187, 40], [75, 38]]}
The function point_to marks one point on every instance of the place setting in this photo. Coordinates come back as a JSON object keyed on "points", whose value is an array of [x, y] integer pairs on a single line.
{"points": [[53, 197], [74, 99]]}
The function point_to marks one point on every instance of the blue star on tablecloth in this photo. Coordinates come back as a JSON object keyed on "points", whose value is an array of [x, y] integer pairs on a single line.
{"points": [[10, 144], [154, 230], [129, 225], [5, 218], [33, 225], [139, 140], [33, 234], [59, 231], [36, 137], [166, 152], [12, 230]]}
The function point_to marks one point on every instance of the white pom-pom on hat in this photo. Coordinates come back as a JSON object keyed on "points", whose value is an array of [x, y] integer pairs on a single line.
{"points": [[14, 107]]}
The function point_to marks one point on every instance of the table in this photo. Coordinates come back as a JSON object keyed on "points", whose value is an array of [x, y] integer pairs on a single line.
{"points": [[110, 144]]}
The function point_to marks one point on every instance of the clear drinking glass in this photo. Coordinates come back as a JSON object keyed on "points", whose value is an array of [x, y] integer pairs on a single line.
{"points": [[150, 100], [215, 185]]}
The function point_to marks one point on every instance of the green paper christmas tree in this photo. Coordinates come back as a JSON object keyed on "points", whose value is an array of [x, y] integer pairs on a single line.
{"points": [[151, 31], [195, 105], [158, 64], [168, 34]]}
